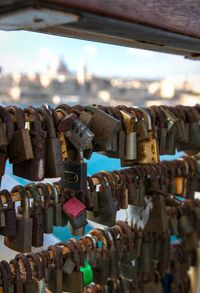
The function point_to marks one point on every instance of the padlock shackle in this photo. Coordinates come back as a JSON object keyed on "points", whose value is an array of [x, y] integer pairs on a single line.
{"points": [[20, 118], [25, 201], [49, 122], [7, 119]]}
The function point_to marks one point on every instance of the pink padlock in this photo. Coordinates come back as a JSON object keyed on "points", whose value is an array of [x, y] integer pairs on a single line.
{"points": [[73, 207]]}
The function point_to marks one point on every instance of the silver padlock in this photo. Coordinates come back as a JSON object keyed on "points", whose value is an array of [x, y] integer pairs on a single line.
{"points": [[80, 136]]}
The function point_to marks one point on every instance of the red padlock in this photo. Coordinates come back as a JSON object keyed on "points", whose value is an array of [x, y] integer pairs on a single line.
{"points": [[73, 207]]}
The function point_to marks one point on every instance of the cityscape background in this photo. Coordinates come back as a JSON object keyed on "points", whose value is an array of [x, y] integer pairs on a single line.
{"points": [[39, 68]]}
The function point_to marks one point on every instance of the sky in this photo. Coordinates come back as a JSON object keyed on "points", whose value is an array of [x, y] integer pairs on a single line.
{"points": [[32, 52]]}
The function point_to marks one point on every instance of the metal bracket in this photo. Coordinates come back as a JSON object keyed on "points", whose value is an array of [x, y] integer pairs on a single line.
{"points": [[34, 19]]}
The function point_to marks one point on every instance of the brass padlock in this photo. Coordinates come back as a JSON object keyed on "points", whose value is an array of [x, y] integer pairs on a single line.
{"points": [[147, 151]]}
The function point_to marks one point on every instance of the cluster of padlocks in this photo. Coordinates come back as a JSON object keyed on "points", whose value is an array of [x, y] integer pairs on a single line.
{"points": [[158, 196]]}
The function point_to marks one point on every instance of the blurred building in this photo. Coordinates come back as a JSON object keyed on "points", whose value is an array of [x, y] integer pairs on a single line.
{"points": [[57, 84]]}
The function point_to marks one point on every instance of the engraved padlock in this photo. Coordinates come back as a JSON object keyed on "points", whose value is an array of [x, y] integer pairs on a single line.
{"points": [[75, 174], [80, 136]]}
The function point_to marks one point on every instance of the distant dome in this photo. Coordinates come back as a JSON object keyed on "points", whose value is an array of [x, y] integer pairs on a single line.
{"points": [[61, 67]]}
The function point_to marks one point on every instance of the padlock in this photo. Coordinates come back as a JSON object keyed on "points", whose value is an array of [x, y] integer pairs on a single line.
{"points": [[130, 137], [10, 227], [104, 126], [54, 160], [170, 148], [77, 224], [3, 159], [121, 143], [196, 217], [179, 127], [18, 281], [37, 214], [69, 263], [193, 117], [75, 210], [128, 257], [38, 272], [190, 243], [75, 174], [4, 278], [3, 137], [74, 282], [106, 215], [92, 253], [170, 123], [48, 208], [80, 136], [59, 218], [41, 267], [6, 128], [148, 150], [114, 254], [158, 220], [33, 169], [158, 118], [94, 205], [6, 134], [10, 285], [173, 221], [184, 224], [141, 123], [73, 207], [182, 127], [101, 269], [144, 261], [30, 285], [112, 150], [2, 214], [55, 284], [122, 190], [69, 266], [20, 148], [85, 117], [47, 265], [22, 242]]}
